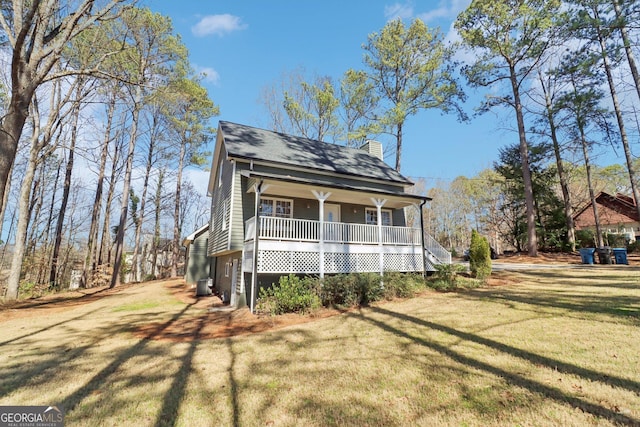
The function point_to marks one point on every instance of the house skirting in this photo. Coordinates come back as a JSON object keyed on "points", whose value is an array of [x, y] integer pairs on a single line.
{"points": [[277, 257]]}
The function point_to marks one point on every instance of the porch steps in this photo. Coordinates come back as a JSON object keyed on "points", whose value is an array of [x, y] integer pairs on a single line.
{"points": [[435, 253]]}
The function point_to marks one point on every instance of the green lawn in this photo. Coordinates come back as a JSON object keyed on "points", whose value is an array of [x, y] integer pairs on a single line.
{"points": [[553, 347]]}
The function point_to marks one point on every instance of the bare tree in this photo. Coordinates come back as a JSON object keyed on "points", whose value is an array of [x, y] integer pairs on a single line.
{"points": [[37, 33]]}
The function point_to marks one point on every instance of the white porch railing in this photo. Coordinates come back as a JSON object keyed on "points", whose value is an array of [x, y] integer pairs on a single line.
{"points": [[435, 250], [303, 230]]}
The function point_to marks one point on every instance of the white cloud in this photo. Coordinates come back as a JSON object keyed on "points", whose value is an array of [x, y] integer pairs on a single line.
{"points": [[447, 9], [398, 10], [218, 25], [441, 12], [209, 74]]}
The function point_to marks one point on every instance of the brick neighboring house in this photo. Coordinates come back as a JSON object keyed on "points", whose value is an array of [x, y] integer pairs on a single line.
{"points": [[617, 214]]}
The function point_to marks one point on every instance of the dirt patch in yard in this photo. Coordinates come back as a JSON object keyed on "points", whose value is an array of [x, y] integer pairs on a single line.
{"points": [[220, 321]]}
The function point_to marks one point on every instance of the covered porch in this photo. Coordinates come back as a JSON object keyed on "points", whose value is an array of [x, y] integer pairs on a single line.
{"points": [[364, 239], [317, 247]]}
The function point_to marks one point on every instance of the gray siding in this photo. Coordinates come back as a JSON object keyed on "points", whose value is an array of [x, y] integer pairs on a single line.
{"points": [[237, 212], [349, 212], [198, 264], [221, 207], [224, 271]]}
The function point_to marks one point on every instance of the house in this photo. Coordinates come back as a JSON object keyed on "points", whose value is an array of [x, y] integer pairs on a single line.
{"points": [[197, 264], [617, 214], [283, 204]]}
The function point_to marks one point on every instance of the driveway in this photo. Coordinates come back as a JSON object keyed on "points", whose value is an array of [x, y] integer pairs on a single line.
{"points": [[517, 266]]}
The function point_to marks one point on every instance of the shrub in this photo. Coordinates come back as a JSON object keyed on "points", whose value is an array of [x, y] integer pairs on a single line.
{"points": [[615, 240], [479, 256], [633, 247], [585, 239], [370, 286], [339, 291], [398, 285], [351, 290], [446, 276], [291, 295]]}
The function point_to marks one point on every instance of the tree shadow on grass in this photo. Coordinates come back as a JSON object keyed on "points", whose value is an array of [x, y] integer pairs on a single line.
{"points": [[624, 306], [599, 279], [235, 408], [22, 371], [72, 319], [168, 414], [100, 378], [514, 378]]}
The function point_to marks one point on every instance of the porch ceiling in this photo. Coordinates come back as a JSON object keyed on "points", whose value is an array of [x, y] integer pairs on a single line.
{"points": [[288, 186]]}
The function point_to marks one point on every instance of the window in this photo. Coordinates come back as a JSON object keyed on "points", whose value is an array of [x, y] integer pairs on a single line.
{"points": [[371, 216], [224, 215], [281, 208], [221, 169]]}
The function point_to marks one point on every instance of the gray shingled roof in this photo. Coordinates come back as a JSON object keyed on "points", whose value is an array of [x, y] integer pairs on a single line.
{"points": [[251, 143]]}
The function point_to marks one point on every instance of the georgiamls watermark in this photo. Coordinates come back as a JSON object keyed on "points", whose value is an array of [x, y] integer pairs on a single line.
{"points": [[31, 416]]}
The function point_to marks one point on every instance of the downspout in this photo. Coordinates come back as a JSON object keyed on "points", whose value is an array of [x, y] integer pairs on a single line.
{"points": [[422, 248], [256, 227]]}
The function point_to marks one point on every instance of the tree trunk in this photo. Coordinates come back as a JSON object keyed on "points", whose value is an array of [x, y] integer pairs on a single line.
{"points": [[564, 186], [627, 47], [532, 238], [126, 187], [11, 129], [618, 111], [398, 146], [13, 282], [89, 267], [35, 208], [65, 192], [136, 266], [105, 238], [47, 268], [176, 211], [156, 229], [592, 196]]}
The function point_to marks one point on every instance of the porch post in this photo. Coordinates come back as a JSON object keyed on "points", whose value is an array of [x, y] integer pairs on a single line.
{"points": [[259, 188], [379, 203], [423, 250], [321, 196]]}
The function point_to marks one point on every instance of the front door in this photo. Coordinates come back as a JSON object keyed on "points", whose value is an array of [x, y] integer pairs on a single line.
{"points": [[331, 212], [333, 232]]}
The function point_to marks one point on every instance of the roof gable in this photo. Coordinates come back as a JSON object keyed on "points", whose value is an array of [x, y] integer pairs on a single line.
{"points": [[256, 144], [619, 204]]}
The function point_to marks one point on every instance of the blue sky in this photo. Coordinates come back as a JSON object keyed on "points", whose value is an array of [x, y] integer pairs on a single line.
{"points": [[244, 46]]}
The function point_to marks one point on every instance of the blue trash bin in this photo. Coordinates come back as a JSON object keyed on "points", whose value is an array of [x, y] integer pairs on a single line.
{"points": [[620, 255], [586, 254]]}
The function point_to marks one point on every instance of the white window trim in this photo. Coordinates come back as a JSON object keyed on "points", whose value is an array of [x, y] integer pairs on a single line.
{"points": [[273, 201], [375, 210]]}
